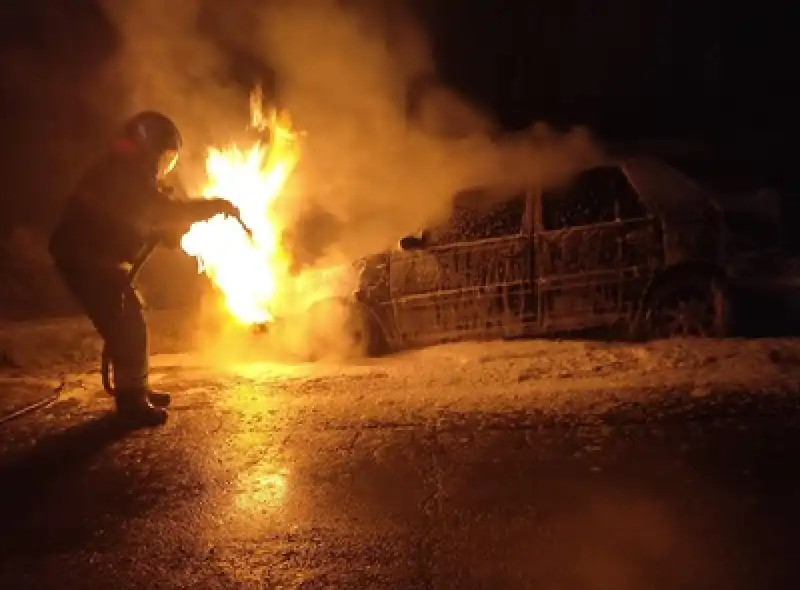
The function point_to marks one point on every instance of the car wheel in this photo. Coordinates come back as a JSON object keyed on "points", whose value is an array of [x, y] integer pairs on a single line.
{"points": [[692, 305], [365, 333]]}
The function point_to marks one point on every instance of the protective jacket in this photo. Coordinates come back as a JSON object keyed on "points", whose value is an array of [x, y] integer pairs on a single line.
{"points": [[117, 209]]}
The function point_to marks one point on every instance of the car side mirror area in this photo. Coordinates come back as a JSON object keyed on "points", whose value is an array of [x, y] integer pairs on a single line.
{"points": [[411, 243]]}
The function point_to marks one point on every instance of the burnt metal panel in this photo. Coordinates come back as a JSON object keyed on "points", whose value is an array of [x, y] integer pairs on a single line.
{"points": [[577, 250], [373, 291], [464, 290], [373, 284], [595, 275], [692, 219], [700, 237]]}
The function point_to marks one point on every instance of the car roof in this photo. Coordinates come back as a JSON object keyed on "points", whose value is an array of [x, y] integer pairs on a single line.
{"points": [[480, 196], [663, 188]]}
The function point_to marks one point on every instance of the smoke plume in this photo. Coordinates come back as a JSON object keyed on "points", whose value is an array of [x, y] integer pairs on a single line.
{"points": [[368, 174]]}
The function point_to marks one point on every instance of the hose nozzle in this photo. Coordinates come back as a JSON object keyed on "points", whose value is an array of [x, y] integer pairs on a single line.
{"points": [[241, 222]]}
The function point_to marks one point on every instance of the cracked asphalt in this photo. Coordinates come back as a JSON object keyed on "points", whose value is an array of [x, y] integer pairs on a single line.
{"points": [[349, 477]]}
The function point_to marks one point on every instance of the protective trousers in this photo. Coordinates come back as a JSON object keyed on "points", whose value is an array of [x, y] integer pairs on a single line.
{"points": [[112, 304]]}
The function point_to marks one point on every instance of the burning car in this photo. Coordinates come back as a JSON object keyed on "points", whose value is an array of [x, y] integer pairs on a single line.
{"points": [[634, 245]]}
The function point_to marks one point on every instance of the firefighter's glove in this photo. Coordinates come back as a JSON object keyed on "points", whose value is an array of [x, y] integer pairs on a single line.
{"points": [[218, 206]]}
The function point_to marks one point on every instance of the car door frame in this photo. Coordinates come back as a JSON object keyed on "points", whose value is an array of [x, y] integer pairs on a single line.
{"points": [[440, 297], [616, 286]]}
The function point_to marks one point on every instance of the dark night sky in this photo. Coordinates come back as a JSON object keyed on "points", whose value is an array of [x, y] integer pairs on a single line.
{"points": [[629, 69]]}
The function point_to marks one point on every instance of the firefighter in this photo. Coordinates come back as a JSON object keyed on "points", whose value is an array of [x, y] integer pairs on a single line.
{"points": [[116, 211]]}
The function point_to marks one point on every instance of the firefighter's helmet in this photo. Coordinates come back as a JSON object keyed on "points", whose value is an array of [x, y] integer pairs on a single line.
{"points": [[157, 135]]}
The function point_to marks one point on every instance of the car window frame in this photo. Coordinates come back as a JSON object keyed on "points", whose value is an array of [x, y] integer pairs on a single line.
{"points": [[539, 204], [526, 224]]}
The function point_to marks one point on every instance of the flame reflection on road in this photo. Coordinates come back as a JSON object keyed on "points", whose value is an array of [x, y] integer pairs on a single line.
{"points": [[263, 486]]}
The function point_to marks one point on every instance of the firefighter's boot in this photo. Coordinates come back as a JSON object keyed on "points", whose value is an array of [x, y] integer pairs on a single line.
{"points": [[136, 410], [160, 399]]}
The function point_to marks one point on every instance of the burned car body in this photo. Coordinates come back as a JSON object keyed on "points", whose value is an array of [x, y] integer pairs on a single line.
{"points": [[633, 244]]}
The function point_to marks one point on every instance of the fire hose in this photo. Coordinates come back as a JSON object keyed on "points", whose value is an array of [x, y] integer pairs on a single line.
{"points": [[37, 405], [106, 366]]}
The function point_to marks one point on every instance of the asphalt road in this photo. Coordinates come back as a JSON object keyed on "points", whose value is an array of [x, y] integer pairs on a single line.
{"points": [[243, 489]]}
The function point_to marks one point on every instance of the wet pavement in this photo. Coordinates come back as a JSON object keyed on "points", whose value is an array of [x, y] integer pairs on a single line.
{"points": [[274, 479]]}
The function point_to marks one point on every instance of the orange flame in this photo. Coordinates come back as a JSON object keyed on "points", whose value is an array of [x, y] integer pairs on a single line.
{"points": [[247, 270]]}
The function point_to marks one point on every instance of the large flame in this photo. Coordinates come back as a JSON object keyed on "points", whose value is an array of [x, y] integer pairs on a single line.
{"points": [[247, 269]]}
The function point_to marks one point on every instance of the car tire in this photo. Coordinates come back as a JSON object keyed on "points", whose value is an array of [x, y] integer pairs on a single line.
{"points": [[367, 333], [689, 304]]}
